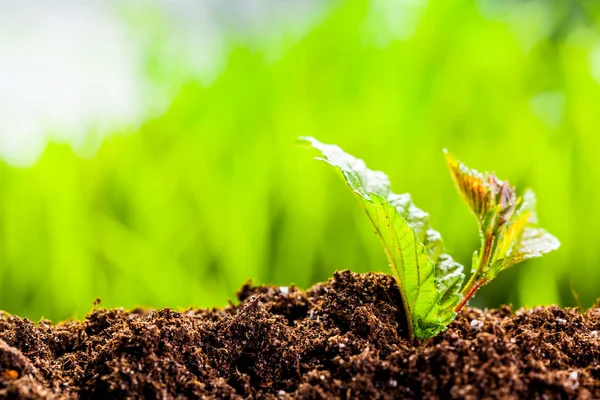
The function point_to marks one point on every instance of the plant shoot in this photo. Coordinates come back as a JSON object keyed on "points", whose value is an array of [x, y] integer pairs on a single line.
{"points": [[428, 278]]}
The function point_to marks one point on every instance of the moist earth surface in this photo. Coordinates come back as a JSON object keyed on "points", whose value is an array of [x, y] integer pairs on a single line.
{"points": [[341, 339]]}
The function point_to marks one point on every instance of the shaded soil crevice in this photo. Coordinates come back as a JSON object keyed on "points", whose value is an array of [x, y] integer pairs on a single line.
{"points": [[344, 338]]}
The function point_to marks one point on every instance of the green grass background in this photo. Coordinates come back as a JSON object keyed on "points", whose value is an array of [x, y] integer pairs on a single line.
{"points": [[213, 191]]}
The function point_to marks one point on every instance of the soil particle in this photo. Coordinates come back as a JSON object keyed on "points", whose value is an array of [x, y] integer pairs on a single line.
{"points": [[341, 339]]}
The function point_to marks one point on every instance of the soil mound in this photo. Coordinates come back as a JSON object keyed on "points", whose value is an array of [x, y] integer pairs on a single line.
{"points": [[339, 339]]}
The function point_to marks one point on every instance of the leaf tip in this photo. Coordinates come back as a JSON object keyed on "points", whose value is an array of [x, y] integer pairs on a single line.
{"points": [[452, 162], [305, 140]]}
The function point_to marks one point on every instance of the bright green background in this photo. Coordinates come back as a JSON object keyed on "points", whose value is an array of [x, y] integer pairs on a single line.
{"points": [[214, 192]]}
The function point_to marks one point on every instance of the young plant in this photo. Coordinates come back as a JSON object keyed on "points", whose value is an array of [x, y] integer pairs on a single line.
{"points": [[428, 278], [507, 225]]}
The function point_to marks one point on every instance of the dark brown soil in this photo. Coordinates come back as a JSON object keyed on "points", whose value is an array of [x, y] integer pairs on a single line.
{"points": [[340, 339]]}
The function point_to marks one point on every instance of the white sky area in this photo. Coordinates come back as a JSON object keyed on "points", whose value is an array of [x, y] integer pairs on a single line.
{"points": [[70, 68], [63, 69]]}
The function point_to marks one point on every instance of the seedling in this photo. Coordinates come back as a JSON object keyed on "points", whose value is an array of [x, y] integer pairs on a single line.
{"points": [[428, 278]]}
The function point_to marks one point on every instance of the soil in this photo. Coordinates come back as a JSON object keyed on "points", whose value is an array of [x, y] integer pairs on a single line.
{"points": [[340, 339]]}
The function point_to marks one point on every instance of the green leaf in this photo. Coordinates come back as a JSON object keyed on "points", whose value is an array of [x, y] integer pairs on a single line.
{"points": [[507, 224], [429, 280], [534, 242], [531, 242]]}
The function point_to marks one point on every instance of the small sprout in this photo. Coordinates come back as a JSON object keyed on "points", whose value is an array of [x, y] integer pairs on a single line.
{"points": [[507, 225], [428, 279]]}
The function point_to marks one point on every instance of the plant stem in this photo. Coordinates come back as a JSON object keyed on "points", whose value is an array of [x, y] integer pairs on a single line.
{"points": [[476, 281], [407, 313], [470, 289]]}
